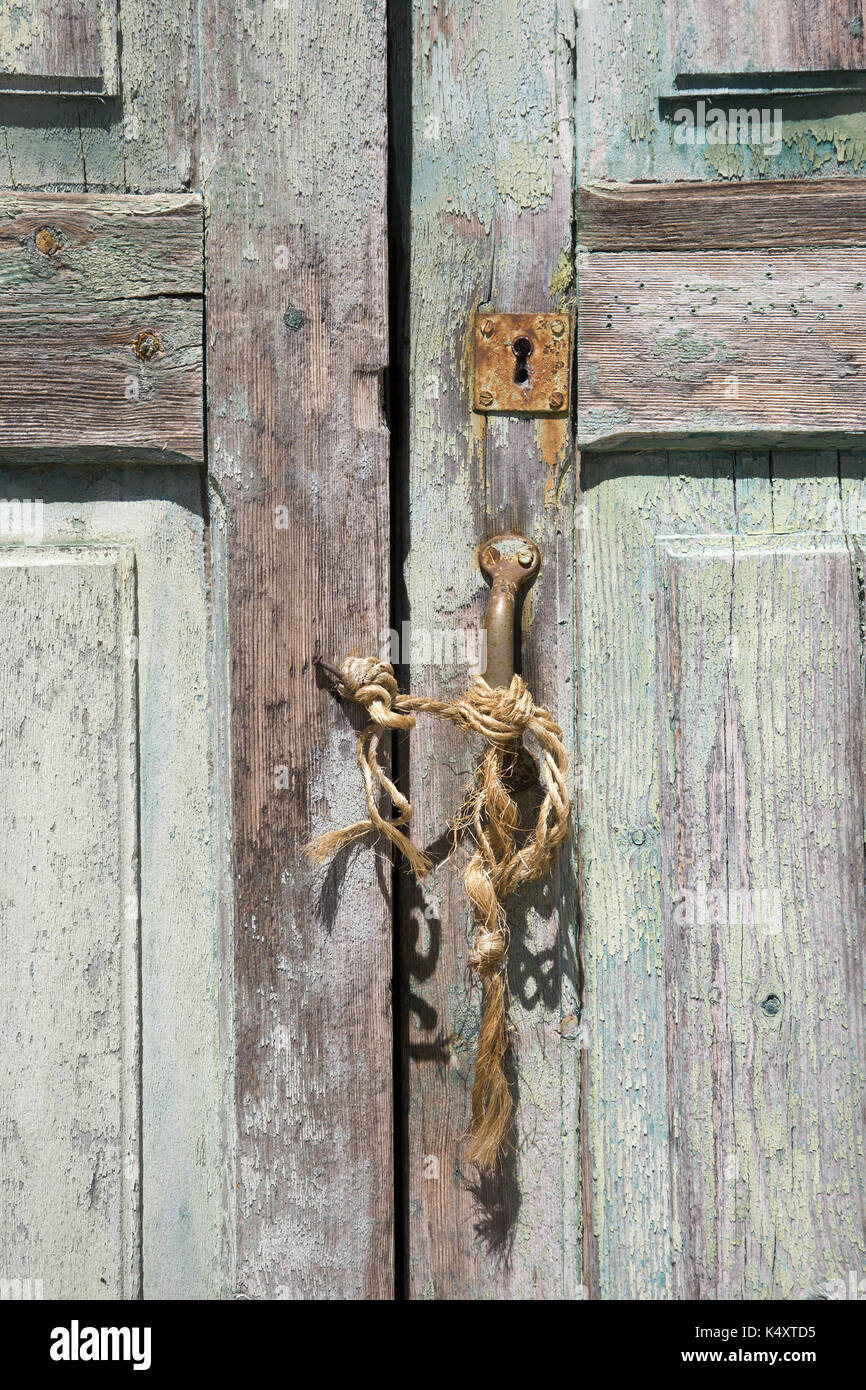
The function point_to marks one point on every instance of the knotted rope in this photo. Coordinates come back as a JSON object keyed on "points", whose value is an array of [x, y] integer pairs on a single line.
{"points": [[503, 858]]}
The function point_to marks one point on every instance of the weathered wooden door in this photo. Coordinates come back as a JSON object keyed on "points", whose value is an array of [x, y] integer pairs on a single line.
{"points": [[688, 998], [195, 1048], [225, 1073]]}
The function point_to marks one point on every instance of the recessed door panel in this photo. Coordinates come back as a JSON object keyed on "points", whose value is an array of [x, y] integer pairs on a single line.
{"points": [[69, 961]]}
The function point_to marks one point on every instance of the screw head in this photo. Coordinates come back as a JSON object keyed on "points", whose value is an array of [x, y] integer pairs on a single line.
{"points": [[557, 328], [147, 345], [487, 328], [557, 400], [46, 241], [486, 397], [525, 558]]}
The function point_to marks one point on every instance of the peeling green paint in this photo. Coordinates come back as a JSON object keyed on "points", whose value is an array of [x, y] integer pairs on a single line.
{"points": [[562, 283]]}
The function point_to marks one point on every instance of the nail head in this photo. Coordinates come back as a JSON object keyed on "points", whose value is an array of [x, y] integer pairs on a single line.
{"points": [[46, 241], [147, 345]]}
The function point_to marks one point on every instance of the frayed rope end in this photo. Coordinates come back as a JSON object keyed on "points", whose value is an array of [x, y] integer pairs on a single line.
{"points": [[323, 846]]}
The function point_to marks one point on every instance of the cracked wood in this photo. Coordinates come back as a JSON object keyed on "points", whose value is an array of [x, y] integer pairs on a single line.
{"points": [[83, 277]]}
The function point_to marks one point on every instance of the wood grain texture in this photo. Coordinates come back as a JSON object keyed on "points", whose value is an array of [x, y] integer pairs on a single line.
{"points": [[746, 36], [59, 46], [721, 347], [142, 139], [147, 143], [293, 150], [483, 214], [779, 214], [176, 896], [675, 1210], [82, 278], [70, 1196], [762, 816], [628, 101]]}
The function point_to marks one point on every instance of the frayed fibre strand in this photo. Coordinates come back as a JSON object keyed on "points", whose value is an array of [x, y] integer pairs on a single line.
{"points": [[503, 857]]}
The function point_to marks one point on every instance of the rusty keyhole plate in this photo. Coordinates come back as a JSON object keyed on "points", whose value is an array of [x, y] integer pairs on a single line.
{"points": [[522, 364]]}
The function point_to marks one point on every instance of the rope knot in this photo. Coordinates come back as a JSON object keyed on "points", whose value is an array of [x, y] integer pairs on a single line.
{"points": [[366, 679], [488, 953], [514, 705]]}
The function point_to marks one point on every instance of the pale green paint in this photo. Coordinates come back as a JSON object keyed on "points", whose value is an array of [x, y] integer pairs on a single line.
{"points": [[146, 143], [179, 750], [624, 133], [69, 916], [780, 1196], [490, 197], [774, 1178]]}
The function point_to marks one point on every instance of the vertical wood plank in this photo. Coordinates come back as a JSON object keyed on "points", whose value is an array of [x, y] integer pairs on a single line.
{"points": [[629, 498], [667, 1182], [762, 848], [487, 165], [294, 174]]}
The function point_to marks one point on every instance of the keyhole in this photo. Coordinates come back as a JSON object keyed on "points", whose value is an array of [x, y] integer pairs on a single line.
{"points": [[522, 349]]}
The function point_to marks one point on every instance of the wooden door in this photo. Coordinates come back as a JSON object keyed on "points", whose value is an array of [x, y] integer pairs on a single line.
{"points": [[195, 1034], [235, 438], [688, 998]]}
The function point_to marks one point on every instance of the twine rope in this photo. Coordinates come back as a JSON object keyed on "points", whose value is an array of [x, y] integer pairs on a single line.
{"points": [[503, 858]]}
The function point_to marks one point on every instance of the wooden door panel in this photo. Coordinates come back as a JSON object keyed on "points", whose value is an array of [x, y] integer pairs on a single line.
{"points": [[715, 316], [144, 140], [298, 447], [721, 742], [727, 37], [101, 326], [721, 349], [60, 46], [761, 833], [71, 742], [69, 954], [641, 66]]}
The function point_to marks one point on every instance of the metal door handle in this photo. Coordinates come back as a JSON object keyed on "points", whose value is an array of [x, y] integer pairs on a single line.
{"points": [[509, 564]]}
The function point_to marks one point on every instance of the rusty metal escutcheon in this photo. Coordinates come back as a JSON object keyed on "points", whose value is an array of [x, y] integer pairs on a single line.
{"points": [[522, 364]]}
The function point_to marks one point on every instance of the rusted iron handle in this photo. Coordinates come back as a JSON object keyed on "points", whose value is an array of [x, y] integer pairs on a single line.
{"points": [[510, 564]]}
